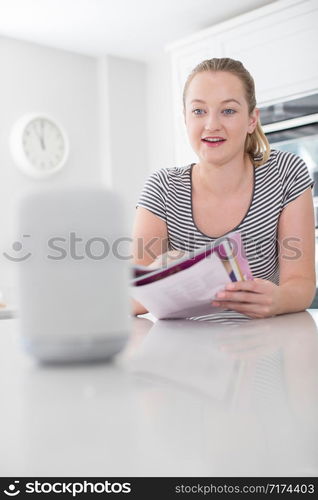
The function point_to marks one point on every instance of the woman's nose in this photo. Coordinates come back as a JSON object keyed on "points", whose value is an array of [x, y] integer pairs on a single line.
{"points": [[212, 122]]}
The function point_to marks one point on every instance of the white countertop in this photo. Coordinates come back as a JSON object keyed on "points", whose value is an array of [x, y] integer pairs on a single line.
{"points": [[185, 398]]}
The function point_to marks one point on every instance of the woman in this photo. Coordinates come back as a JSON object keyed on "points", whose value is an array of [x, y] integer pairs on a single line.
{"points": [[237, 184]]}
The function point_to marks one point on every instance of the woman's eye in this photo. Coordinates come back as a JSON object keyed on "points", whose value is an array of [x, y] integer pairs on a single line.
{"points": [[228, 111], [198, 111]]}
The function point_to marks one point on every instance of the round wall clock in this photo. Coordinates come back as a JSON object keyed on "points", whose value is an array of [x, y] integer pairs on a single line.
{"points": [[39, 145]]}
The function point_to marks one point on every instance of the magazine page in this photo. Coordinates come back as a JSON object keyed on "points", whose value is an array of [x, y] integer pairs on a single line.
{"points": [[143, 276], [237, 264], [240, 255], [181, 295]]}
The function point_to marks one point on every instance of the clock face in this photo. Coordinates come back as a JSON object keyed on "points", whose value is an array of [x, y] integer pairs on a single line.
{"points": [[38, 145], [43, 144]]}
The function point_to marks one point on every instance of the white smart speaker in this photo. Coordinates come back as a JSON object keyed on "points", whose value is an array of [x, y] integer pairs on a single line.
{"points": [[72, 274]]}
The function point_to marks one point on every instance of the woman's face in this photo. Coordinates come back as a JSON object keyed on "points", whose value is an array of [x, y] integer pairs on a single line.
{"points": [[217, 117]]}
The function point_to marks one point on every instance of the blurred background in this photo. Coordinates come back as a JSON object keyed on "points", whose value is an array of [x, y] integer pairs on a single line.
{"points": [[111, 72]]}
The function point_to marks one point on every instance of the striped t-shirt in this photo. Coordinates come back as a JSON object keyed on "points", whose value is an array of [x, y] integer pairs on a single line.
{"points": [[168, 194]]}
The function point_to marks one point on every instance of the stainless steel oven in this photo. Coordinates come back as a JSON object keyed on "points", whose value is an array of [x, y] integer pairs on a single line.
{"points": [[293, 126]]}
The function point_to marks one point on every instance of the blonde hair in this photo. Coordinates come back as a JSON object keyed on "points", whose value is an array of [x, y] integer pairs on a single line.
{"points": [[256, 143]]}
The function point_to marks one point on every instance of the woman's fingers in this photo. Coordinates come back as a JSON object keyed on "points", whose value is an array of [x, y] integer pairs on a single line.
{"points": [[253, 310], [255, 298], [156, 264], [247, 297], [257, 285], [165, 259]]}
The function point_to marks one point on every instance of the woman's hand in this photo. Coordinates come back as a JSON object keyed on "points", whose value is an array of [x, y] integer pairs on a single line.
{"points": [[256, 298], [167, 258]]}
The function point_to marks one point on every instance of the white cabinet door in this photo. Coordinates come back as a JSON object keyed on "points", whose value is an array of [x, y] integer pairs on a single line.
{"points": [[279, 50]]}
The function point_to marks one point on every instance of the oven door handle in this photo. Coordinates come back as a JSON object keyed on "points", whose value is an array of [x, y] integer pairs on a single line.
{"points": [[291, 123]]}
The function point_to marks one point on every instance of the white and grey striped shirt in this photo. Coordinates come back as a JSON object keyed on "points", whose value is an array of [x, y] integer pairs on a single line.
{"points": [[168, 194]]}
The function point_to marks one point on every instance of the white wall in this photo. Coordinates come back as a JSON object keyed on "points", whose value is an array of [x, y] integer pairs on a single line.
{"points": [[103, 107], [34, 78], [138, 120], [64, 85], [160, 114], [124, 128]]}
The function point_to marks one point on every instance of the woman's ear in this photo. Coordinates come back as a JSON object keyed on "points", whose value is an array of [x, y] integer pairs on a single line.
{"points": [[253, 119]]}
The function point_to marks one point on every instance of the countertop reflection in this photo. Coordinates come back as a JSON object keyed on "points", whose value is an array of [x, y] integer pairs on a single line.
{"points": [[184, 398], [256, 384]]}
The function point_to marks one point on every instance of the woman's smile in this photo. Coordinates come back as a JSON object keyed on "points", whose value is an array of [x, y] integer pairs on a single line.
{"points": [[213, 141]]}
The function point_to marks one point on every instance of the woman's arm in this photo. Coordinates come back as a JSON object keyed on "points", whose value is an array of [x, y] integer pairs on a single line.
{"points": [[296, 230], [150, 239], [260, 298]]}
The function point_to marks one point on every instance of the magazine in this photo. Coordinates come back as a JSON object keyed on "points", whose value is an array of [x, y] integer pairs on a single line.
{"points": [[187, 286]]}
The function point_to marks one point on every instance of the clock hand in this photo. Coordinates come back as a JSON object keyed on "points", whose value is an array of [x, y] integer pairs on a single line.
{"points": [[42, 136]]}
